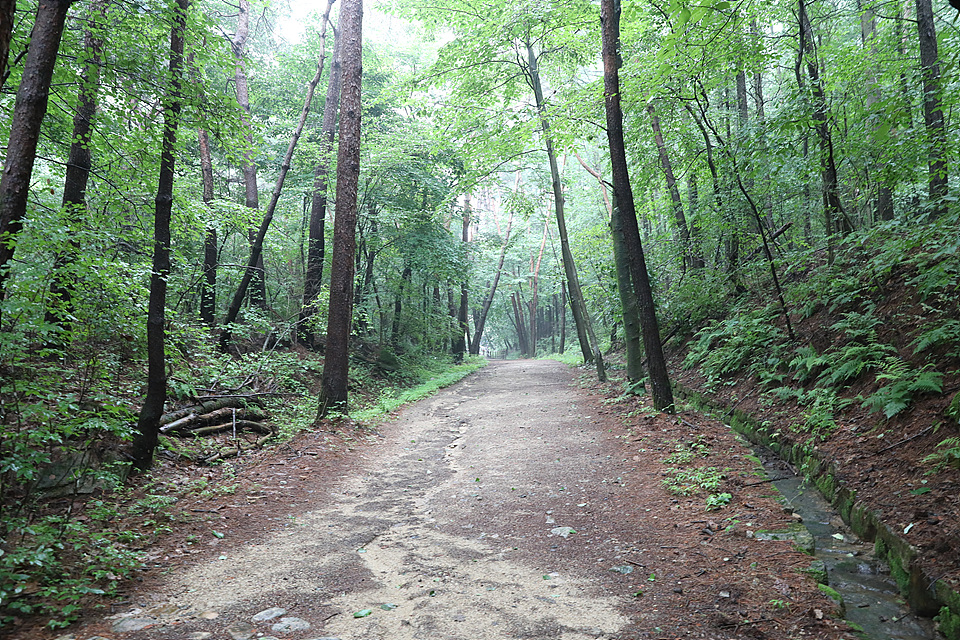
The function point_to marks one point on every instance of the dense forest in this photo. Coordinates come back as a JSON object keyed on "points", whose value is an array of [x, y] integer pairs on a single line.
{"points": [[251, 205]]}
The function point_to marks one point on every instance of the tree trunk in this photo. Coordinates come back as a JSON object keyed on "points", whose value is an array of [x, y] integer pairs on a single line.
{"points": [[148, 424], [257, 250], [882, 191], [28, 112], [932, 109], [519, 324], [405, 277], [563, 318], [628, 297], [460, 344], [689, 257], [577, 305], [481, 319], [835, 219], [63, 284], [258, 292], [534, 286], [208, 290], [623, 194], [333, 390], [8, 10], [316, 247]]}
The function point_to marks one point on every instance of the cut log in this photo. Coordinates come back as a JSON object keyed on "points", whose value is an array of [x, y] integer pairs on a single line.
{"points": [[231, 453], [249, 425], [208, 407], [193, 421]]}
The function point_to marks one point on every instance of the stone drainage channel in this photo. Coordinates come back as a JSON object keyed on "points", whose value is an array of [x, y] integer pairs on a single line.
{"points": [[870, 595]]}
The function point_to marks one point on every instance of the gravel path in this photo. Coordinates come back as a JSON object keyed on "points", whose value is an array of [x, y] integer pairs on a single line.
{"points": [[498, 508]]}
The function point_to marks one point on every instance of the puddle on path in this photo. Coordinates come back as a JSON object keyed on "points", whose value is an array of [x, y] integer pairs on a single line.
{"points": [[872, 599]]}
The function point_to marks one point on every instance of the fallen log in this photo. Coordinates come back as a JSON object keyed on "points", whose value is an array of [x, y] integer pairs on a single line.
{"points": [[208, 407], [236, 451], [227, 426], [192, 421]]}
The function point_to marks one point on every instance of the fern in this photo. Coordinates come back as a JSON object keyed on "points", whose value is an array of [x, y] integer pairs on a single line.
{"points": [[945, 333], [947, 453], [904, 386], [806, 362]]}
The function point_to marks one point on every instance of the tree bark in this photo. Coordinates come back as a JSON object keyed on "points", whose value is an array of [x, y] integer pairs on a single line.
{"points": [[258, 293], [835, 219], [519, 324], [316, 242], [28, 112], [333, 390], [577, 306], [690, 259], [257, 250], [481, 318], [405, 276], [460, 344], [208, 290], [932, 108], [8, 10], [882, 204], [660, 388], [77, 175], [148, 423], [628, 298], [534, 287]]}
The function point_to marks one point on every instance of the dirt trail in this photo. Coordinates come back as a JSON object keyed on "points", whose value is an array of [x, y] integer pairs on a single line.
{"points": [[499, 508]]}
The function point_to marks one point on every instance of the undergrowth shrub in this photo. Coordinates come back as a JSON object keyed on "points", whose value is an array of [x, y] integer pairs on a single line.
{"points": [[748, 343]]}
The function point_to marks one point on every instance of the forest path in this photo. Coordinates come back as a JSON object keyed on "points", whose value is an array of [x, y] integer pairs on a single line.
{"points": [[499, 508]]}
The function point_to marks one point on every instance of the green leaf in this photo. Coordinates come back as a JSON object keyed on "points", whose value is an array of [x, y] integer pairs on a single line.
{"points": [[882, 133], [363, 613], [894, 407]]}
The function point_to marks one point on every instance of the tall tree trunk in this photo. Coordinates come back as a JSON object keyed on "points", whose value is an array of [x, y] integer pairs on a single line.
{"points": [[481, 318], [519, 324], [901, 38], [460, 344], [628, 298], [689, 257], [8, 10], [258, 292], [316, 248], [932, 109], [333, 389], [28, 112], [405, 277], [534, 287], [659, 380], [835, 218], [761, 120], [882, 204], [563, 318], [148, 423], [577, 306], [208, 290], [77, 175], [257, 250]]}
